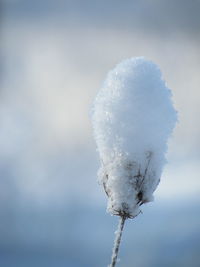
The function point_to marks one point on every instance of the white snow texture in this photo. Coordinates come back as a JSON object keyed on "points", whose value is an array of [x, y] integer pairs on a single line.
{"points": [[133, 117]]}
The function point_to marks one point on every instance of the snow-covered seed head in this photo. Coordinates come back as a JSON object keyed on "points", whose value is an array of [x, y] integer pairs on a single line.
{"points": [[133, 117]]}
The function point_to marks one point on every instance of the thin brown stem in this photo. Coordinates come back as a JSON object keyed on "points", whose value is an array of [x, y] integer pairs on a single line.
{"points": [[117, 241]]}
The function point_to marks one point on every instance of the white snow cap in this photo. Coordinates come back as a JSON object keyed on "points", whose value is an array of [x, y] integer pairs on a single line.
{"points": [[133, 117]]}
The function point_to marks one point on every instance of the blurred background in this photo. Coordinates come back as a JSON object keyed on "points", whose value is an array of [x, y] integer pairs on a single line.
{"points": [[54, 58]]}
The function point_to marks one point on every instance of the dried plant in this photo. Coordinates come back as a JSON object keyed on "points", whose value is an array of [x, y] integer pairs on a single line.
{"points": [[133, 118]]}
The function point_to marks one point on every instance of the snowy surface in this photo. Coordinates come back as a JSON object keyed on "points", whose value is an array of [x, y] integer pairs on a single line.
{"points": [[133, 118]]}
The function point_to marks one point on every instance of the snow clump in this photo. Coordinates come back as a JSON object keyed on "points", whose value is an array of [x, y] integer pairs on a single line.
{"points": [[133, 117]]}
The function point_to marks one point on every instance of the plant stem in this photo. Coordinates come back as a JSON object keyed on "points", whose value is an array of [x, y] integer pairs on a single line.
{"points": [[117, 241]]}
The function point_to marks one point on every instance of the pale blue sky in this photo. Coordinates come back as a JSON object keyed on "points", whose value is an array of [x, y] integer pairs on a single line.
{"points": [[55, 56]]}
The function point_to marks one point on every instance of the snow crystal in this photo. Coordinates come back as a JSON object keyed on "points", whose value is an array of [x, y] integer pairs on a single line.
{"points": [[133, 118]]}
